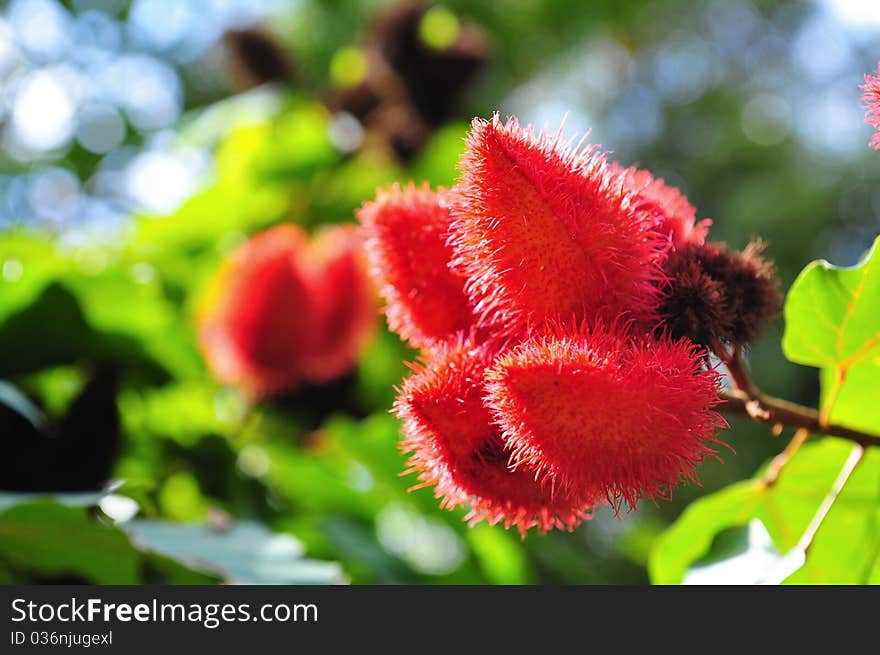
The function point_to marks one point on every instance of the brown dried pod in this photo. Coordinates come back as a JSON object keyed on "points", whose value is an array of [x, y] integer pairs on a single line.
{"points": [[715, 294]]}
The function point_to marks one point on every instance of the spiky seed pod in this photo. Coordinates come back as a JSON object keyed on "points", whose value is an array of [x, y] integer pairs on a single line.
{"points": [[406, 231], [752, 290], [257, 57], [871, 102], [597, 411], [678, 216], [402, 129], [454, 445], [694, 305], [283, 311], [717, 295], [544, 231], [434, 79]]}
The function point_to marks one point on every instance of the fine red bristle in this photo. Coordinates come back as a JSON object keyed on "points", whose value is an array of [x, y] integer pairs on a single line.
{"points": [[407, 230], [871, 102], [544, 231], [454, 445], [595, 410]]}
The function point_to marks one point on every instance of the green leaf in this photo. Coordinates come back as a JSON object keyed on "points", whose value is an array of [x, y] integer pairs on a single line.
{"points": [[831, 313], [691, 536], [439, 160], [62, 303], [832, 322], [245, 553], [54, 540], [53, 330], [745, 555], [296, 144], [35, 260], [184, 412], [845, 549]]}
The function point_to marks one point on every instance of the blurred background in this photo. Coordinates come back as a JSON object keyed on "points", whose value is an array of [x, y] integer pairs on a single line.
{"points": [[141, 142]]}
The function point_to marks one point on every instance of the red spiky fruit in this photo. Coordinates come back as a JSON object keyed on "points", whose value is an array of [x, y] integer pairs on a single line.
{"points": [[871, 102], [456, 447], [677, 215], [406, 231], [283, 311], [594, 410], [545, 232]]}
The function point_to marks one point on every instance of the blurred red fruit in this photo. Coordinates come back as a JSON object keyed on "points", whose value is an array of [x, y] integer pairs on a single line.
{"points": [[406, 240], [545, 232], [871, 101], [597, 411], [455, 446], [342, 301], [284, 311]]}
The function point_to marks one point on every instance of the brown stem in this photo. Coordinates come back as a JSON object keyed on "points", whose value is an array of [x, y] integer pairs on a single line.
{"points": [[736, 365], [748, 400], [774, 410]]}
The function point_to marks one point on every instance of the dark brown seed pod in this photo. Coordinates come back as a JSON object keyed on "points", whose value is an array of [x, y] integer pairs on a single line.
{"points": [[435, 78], [715, 294], [256, 57]]}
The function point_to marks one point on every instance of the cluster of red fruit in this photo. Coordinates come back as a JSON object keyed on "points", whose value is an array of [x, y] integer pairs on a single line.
{"points": [[561, 304]]}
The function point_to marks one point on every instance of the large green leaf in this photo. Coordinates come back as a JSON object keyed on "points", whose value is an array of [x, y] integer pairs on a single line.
{"points": [[691, 536], [63, 305], [34, 260], [832, 317], [745, 555], [71, 541], [845, 549], [53, 330]]}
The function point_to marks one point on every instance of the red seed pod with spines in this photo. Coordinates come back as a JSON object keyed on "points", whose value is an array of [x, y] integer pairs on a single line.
{"points": [[455, 446], [407, 230], [545, 231], [595, 410], [256, 319]]}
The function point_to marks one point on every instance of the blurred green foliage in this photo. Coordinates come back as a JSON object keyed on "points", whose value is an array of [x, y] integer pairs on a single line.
{"points": [[325, 468]]}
